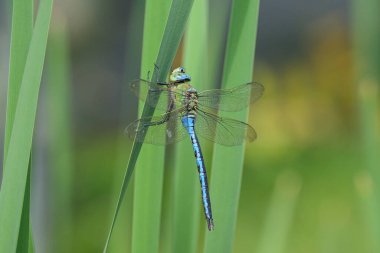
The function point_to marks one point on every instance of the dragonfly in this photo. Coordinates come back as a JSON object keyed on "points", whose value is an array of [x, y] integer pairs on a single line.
{"points": [[192, 113]]}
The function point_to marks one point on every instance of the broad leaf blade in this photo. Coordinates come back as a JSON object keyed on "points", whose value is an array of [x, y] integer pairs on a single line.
{"points": [[187, 197], [227, 164], [22, 26], [175, 25]]}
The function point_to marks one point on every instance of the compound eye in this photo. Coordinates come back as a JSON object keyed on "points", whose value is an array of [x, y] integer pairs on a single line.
{"points": [[182, 70]]}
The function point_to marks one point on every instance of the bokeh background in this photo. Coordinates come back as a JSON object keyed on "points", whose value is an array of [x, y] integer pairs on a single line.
{"points": [[308, 183]]}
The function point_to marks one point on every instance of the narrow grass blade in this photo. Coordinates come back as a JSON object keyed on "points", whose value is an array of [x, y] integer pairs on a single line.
{"points": [[280, 213], [367, 47], [187, 201], [20, 142], [31, 244], [22, 26], [25, 232], [366, 38], [175, 25], [122, 235], [150, 168], [227, 164], [369, 104], [219, 17], [369, 204], [60, 140]]}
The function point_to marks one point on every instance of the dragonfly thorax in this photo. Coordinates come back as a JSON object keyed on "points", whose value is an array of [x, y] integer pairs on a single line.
{"points": [[191, 99]]}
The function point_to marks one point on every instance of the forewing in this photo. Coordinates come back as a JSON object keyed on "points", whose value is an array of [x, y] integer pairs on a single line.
{"points": [[231, 100], [155, 130], [155, 95], [225, 131]]}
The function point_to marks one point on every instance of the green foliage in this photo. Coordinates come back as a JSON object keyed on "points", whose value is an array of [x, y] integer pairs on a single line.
{"points": [[305, 123], [175, 25], [227, 163], [280, 213], [20, 119], [24, 237], [150, 166], [22, 25], [187, 202], [60, 144], [366, 37]]}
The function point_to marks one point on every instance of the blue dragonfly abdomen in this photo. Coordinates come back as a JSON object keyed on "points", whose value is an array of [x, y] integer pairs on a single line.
{"points": [[188, 121]]}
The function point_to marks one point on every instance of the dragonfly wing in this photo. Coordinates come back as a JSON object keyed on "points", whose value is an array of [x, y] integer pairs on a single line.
{"points": [[155, 95], [158, 130], [231, 100], [225, 131]]}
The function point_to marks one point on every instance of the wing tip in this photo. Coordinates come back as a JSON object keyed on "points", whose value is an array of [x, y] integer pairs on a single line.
{"points": [[251, 134]]}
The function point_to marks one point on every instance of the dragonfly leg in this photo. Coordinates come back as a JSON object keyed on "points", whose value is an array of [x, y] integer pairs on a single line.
{"points": [[155, 123], [158, 73], [163, 83], [148, 75], [165, 118], [156, 67]]}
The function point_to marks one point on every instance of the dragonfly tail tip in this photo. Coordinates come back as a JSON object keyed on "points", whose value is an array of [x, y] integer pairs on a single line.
{"points": [[210, 224]]}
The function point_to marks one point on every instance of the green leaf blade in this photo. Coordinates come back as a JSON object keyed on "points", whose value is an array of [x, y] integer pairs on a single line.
{"points": [[22, 27], [187, 201], [20, 142], [366, 49], [227, 162], [175, 25], [60, 142]]}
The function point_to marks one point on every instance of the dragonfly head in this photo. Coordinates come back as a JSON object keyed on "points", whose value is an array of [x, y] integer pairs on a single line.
{"points": [[179, 76]]}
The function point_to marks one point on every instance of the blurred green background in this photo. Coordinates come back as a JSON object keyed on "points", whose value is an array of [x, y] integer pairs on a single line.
{"points": [[308, 182]]}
